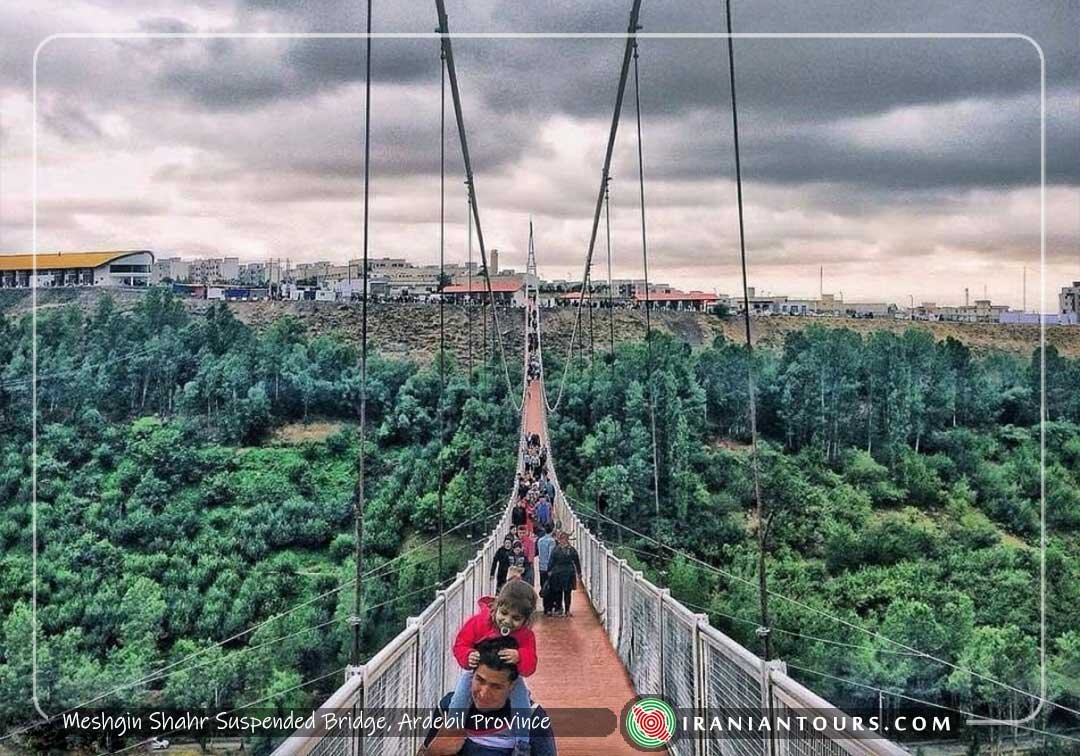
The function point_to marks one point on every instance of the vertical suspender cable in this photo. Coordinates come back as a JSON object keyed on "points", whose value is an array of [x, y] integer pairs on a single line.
{"points": [[358, 494], [610, 290], [645, 261], [604, 175], [444, 31], [763, 590], [469, 307], [592, 335], [442, 296]]}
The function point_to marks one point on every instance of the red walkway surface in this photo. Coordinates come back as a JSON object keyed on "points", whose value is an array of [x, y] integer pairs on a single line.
{"points": [[578, 666]]}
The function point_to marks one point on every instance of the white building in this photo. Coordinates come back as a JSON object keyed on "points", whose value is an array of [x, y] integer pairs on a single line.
{"points": [[171, 269], [1069, 300], [254, 274], [507, 291], [57, 269], [213, 270]]}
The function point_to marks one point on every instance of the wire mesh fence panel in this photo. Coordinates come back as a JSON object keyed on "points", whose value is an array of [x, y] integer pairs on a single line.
{"points": [[476, 581], [433, 643], [391, 684], [640, 643], [678, 671], [789, 699], [454, 621], [732, 682], [338, 741]]}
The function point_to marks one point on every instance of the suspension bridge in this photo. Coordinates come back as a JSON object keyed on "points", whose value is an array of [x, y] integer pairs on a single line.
{"points": [[628, 637]]}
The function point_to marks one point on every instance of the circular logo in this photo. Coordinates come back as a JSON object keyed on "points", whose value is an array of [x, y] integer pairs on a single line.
{"points": [[650, 722]]}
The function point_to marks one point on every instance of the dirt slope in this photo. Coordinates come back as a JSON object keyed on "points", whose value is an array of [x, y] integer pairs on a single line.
{"points": [[412, 330]]}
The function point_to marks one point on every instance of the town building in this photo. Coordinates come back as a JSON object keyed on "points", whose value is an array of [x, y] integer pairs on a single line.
{"points": [[674, 299], [168, 270], [212, 270], [1069, 300], [311, 271], [868, 309], [761, 304], [507, 291], [57, 269], [255, 273]]}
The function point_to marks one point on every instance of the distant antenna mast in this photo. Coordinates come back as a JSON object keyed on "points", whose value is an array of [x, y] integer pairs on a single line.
{"points": [[821, 282]]}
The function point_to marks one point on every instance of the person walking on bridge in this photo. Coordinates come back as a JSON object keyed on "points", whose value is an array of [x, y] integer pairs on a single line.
{"points": [[564, 569], [544, 547], [500, 563]]}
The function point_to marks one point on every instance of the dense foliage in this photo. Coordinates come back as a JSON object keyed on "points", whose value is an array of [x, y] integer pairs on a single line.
{"points": [[901, 482], [901, 479], [171, 517]]}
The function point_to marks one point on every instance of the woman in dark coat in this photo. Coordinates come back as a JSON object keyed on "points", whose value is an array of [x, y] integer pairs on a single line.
{"points": [[519, 515], [564, 569], [500, 563]]}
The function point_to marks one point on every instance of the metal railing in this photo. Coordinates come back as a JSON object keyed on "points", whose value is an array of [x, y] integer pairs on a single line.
{"points": [[666, 649], [672, 652]]}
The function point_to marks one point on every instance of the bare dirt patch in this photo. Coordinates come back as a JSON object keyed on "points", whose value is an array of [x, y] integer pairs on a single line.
{"points": [[298, 433], [411, 331]]}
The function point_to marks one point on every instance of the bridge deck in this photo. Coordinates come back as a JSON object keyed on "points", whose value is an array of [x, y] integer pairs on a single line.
{"points": [[578, 665]]}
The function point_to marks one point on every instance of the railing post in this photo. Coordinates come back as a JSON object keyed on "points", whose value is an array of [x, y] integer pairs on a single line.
{"points": [[418, 661], [664, 593], [622, 604], [701, 679], [356, 741], [772, 745], [440, 596]]}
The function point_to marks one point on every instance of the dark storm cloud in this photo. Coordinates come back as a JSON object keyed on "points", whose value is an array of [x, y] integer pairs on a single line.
{"points": [[853, 128], [793, 93]]}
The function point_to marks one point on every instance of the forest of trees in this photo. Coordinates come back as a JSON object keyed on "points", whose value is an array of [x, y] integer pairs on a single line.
{"points": [[901, 477], [169, 518]]}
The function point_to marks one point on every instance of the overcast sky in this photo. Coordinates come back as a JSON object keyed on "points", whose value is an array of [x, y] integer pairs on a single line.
{"points": [[904, 167]]}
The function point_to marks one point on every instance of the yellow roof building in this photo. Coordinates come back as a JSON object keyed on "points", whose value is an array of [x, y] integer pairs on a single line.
{"points": [[63, 260]]}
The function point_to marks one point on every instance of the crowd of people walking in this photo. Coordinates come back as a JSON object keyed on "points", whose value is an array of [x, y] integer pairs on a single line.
{"points": [[497, 642], [536, 545]]}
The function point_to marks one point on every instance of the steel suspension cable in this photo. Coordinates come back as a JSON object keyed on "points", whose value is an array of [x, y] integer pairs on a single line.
{"points": [[592, 336], [442, 294], [763, 588], [444, 32], [624, 71], [648, 301], [469, 306], [611, 292], [356, 619]]}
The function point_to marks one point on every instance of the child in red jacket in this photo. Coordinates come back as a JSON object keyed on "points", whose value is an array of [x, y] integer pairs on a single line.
{"points": [[509, 613]]}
